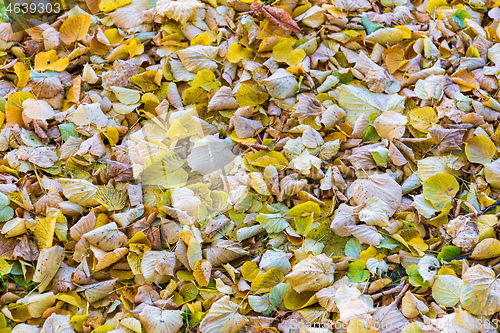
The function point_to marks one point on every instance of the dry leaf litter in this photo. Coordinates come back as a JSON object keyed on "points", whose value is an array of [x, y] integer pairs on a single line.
{"points": [[234, 166]]}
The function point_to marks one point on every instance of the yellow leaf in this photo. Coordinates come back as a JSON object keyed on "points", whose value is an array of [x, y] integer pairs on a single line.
{"points": [[370, 252], [440, 189], [14, 107], [486, 249], [202, 272], [134, 47], [50, 61], [405, 30], [75, 28], [111, 133], [284, 52], [201, 39], [432, 5], [423, 118], [206, 79], [295, 301], [71, 298], [113, 36], [249, 270], [23, 74], [480, 149], [446, 271], [418, 244], [238, 52], [74, 91], [105, 259], [5, 267], [395, 58], [267, 281], [79, 320], [44, 232], [110, 5], [110, 198]]}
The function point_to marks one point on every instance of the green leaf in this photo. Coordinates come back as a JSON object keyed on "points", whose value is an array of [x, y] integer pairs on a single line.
{"points": [[357, 272], [370, 26], [273, 223], [277, 294], [103, 329], [448, 253], [67, 130], [415, 278], [460, 16], [380, 155], [357, 100], [344, 78], [6, 212], [388, 243], [353, 248], [303, 215], [334, 244], [3, 321], [440, 189], [265, 282]]}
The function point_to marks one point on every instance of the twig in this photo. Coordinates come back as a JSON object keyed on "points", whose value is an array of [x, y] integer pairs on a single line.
{"points": [[484, 211], [397, 289]]}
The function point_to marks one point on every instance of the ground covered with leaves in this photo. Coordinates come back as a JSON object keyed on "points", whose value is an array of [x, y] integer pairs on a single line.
{"points": [[212, 166]]}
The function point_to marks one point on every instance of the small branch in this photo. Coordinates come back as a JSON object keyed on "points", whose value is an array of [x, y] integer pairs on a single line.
{"points": [[402, 286], [484, 211]]}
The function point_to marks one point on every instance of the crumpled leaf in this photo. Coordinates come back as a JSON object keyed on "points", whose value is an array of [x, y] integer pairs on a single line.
{"points": [[311, 274], [223, 316]]}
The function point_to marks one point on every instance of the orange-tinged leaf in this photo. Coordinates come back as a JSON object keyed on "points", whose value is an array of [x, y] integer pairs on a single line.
{"points": [[74, 91], [23, 74], [75, 28], [50, 61], [394, 58], [14, 107]]}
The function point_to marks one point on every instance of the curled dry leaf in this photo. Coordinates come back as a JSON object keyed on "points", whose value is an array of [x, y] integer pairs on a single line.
{"points": [[187, 165], [277, 16]]}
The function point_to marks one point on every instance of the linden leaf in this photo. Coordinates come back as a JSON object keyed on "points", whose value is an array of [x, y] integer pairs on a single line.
{"points": [[156, 320], [440, 189], [480, 149], [486, 249], [284, 52], [265, 282], [48, 263], [278, 16], [481, 291], [111, 198], [446, 290], [311, 274], [6, 212], [202, 272], [75, 28], [110, 5], [223, 316], [238, 52], [50, 61]]}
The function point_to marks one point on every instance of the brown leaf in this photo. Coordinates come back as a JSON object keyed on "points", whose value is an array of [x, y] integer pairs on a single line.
{"points": [[278, 16], [26, 250], [7, 247], [447, 139], [121, 172]]}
